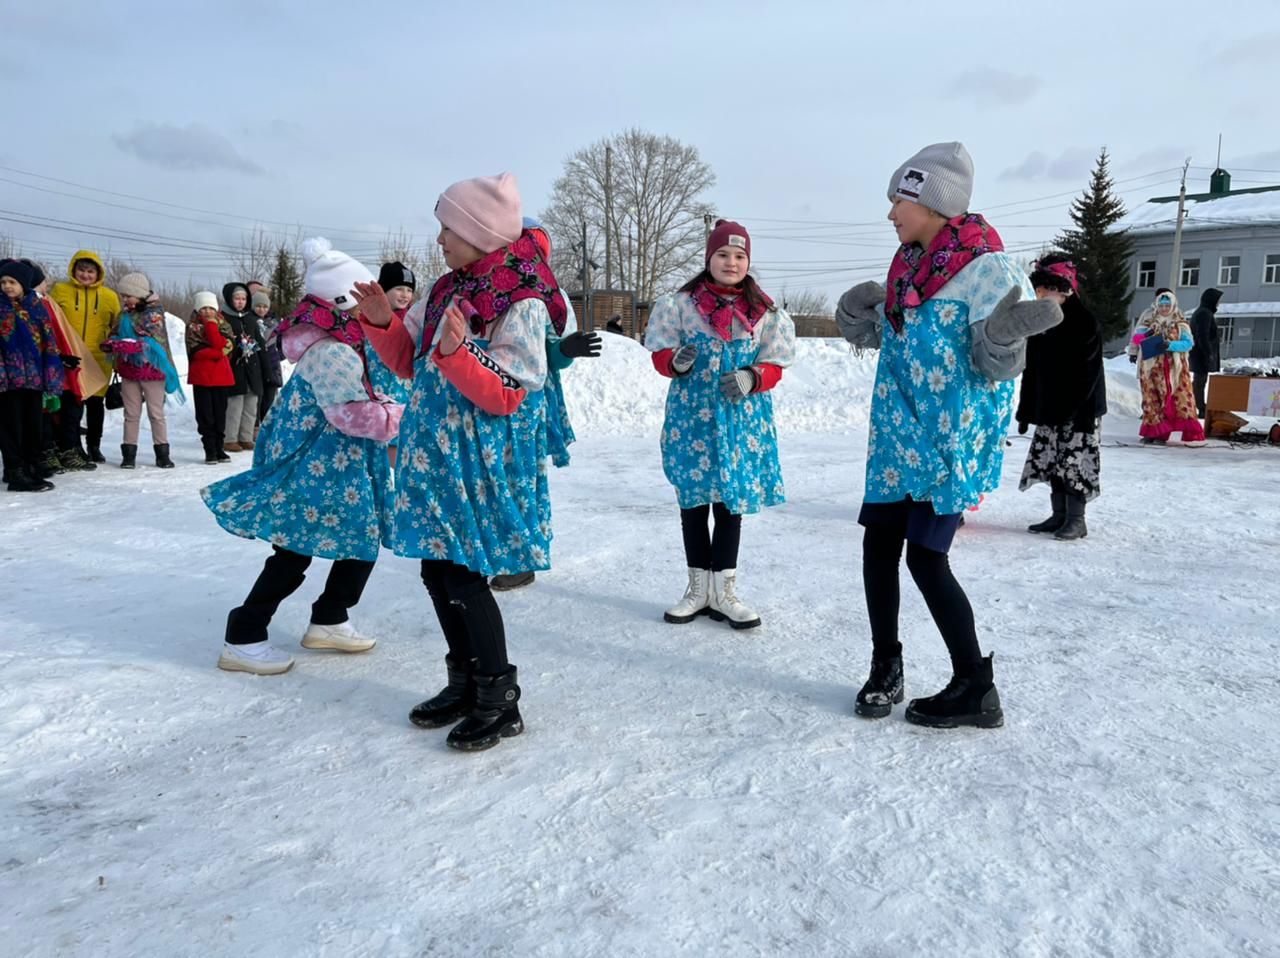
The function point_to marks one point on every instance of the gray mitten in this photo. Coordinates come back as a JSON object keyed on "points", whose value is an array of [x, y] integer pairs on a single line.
{"points": [[737, 384], [857, 317], [1015, 319], [683, 359]]}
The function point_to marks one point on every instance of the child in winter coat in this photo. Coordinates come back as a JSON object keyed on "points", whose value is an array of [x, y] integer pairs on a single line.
{"points": [[951, 329], [1163, 339], [724, 344], [209, 373], [82, 377], [91, 308], [1064, 393], [139, 347], [564, 345], [399, 283], [471, 486], [273, 374], [248, 356], [31, 377], [320, 481]]}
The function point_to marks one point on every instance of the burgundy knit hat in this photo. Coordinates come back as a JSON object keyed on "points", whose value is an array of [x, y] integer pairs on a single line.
{"points": [[728, 233]]}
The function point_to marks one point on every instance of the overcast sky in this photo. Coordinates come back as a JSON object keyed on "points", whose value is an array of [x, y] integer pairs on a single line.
{"points": [[349, 118]]}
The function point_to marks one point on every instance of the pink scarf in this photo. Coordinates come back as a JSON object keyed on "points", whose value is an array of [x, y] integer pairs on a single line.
{"points": [[720, 304], [916, 273]]}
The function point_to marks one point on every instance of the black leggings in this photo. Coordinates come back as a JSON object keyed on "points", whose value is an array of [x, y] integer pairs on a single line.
{"points": [[468, 614], [281, 575], [211, 415], [21, 413], [704, 550], [95, 412], [949, 606]]}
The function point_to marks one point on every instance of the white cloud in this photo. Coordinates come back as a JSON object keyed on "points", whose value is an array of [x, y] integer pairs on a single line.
{"points": [[190, 147], [1074, 163]]}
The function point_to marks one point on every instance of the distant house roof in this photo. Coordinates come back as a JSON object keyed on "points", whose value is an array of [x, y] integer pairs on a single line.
{"points": [[1249, 309], [1259, 206]]}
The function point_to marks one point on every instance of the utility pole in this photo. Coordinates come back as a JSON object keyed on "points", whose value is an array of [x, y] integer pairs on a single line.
{"points": [[1177, 230], [608, 217], [586, 280], [707, 219]]}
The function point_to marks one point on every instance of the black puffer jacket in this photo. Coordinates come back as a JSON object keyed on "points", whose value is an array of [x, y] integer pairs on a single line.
{"points": [[248, 357], [1063, 383], [1205, 352]]}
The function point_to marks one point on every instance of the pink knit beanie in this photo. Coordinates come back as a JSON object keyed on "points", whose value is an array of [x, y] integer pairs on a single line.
{"points": [[484, 211]]}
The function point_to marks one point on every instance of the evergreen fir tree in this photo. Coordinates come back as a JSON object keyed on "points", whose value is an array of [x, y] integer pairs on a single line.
{"points": [[1100, 254], [286, 283]]}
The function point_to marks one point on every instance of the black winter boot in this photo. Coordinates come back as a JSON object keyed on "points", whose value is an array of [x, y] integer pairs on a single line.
{"points": [[162, 456], [495, 716], [1058, 499], [882, 690], [1074, 527], [453, 701], [95, 453], [505, 583], [23, 479], [128, 455], [969, 699], [221, 453], [53, 462]]}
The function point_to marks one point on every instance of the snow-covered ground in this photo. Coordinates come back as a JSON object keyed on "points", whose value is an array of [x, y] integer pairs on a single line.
{"points": [[679, 789]]}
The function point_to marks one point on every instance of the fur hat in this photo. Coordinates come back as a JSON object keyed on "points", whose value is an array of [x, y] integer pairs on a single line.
{"points": [[205, 300], [134, 284], [484, 211], [940, 177], [331, 274], [395, 274], [17, 270], [728, 233]]}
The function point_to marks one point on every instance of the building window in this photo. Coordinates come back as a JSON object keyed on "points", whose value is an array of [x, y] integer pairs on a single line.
{"points": [[1271, 271], [1229, 271], [1190, 274], [1226, 330], [1147, 274]]}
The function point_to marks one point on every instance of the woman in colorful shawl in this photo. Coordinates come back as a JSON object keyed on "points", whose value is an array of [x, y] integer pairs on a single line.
{"points": [[1163, 339]]}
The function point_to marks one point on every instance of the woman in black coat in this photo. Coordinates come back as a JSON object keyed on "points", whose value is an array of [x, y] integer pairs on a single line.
{"points": [[1064, 395]]}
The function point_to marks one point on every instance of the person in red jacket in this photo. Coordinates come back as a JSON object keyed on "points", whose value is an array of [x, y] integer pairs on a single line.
{"points": [[209, 373]]}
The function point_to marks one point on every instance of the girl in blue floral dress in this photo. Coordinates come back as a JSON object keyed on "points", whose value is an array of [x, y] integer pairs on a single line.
{"points": [[471, 483], [951, 329], [319, 486], [724, 345]]}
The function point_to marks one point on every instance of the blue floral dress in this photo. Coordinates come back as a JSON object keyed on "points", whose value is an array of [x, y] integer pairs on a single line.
{"points": [[385, 382], [559, 432], [937, 423], [471, 487], [312, 489], [714, 449]]}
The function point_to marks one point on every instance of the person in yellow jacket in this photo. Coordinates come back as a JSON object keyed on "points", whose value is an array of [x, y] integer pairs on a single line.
{"points": [[90, 308]]}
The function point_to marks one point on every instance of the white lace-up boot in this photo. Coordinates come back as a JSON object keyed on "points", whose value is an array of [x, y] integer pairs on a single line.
{"points": [[256, 657], [725, 604], [696, 601], [342, 637]]}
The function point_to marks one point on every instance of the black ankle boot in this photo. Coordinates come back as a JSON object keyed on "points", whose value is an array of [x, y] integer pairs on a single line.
{"points": [[1058, 500], [95, 453], [128, 455], [453, 701], [162, 456], [883, 689], [495, 715], [1074, 527], [970, 698], [22, 479]]}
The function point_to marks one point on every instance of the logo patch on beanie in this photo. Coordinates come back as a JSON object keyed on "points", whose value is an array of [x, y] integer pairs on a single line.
{"points": [[912, 183], [736, 240]]}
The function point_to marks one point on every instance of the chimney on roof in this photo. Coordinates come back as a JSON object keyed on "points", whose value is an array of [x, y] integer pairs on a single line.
{"points": [[1219, 182]]}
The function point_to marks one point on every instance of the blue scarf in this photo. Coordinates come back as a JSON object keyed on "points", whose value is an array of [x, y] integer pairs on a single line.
{"points": [[154, 354]]}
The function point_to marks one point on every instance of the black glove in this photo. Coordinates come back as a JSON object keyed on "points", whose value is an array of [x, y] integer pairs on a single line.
{"points": [[739, 383], [1133, 358], [1022, 429], [70, 362], [579, 344]]}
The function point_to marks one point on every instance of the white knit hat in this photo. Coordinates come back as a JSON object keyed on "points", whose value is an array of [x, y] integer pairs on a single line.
{"points": [[331, 274], [206, 300], [134, 284]]}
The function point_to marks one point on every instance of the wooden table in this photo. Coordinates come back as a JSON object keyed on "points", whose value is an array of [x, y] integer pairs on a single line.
{"points": [[1253, 395]]}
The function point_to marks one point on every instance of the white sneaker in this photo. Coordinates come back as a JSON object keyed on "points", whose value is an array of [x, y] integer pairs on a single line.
{"points": [[697, 598], [725, 604], [342, 637], [256, 657]]}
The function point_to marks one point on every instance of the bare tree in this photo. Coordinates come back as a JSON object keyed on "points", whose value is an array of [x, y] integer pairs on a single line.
{"points": [[423, 258], [9, 248], [804, 302], [256, 256], [117, 267], [654, 217]]}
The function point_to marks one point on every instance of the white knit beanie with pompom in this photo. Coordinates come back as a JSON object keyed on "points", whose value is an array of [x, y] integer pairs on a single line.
{"points": [[331, 274]]}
